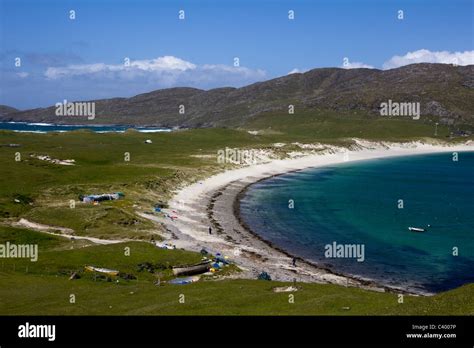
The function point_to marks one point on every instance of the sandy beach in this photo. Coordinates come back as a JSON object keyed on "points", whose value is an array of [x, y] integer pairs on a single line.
{"points": [[213, 203]]}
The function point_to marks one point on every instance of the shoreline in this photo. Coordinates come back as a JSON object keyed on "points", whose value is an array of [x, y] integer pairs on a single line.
{"points": [[215, 202], [44, 128], [366, 282]]}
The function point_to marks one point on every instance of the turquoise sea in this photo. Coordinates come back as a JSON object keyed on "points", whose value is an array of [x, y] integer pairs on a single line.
{"points": [[359, 203]]}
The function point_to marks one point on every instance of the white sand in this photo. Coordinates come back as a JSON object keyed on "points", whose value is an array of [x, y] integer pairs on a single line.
{"points": [[191, 204]]}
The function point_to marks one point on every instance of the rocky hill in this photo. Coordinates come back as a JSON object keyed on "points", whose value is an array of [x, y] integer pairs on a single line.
{"points": [[4, 110], [443, 90]]}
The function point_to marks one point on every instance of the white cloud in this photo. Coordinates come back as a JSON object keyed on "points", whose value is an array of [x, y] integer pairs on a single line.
{"points": [[163, 63], [160, 64], [72, 70], [297, 71], [419, 56], [163, 72], [426, 56], [23, 74], [356, 65]]}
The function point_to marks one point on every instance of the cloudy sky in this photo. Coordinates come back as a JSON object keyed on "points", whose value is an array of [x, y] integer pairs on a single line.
{"points": [[122, 48]]}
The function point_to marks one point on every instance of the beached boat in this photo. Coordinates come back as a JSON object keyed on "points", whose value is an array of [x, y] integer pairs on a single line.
{"points": [[193, 269], [416, 229], [168, 246], [107, 271]]}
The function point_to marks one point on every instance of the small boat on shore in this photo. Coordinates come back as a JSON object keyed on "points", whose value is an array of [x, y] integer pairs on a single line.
{"points": [[416, 229], [111, 272], [193, 269]]}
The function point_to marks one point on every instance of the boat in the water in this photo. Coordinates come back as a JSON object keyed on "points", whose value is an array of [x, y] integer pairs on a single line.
{"points": [[416, 229]]}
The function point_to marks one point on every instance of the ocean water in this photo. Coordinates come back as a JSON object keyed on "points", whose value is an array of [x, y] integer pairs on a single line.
{"points": [[47, 127], [358, 203]]}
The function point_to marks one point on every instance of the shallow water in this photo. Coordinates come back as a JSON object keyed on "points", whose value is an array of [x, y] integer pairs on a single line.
{"points": [[358, 203]]}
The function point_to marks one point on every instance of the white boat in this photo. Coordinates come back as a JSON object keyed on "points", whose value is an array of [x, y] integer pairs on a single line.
{"points": [[416, 229], [165, 246]]}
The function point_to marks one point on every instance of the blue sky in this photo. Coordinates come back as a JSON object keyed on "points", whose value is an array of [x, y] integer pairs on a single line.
{"points": [[84, 58]]}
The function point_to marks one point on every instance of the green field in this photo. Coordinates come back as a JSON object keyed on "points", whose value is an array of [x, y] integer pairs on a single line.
{"points": [[43, 287], [41, 192]]}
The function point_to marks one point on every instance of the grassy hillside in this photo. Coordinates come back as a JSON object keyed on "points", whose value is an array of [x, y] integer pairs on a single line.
{"points": [[44, 189], [229, 297], [325, 126], [40, 192], [43, 287]]}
